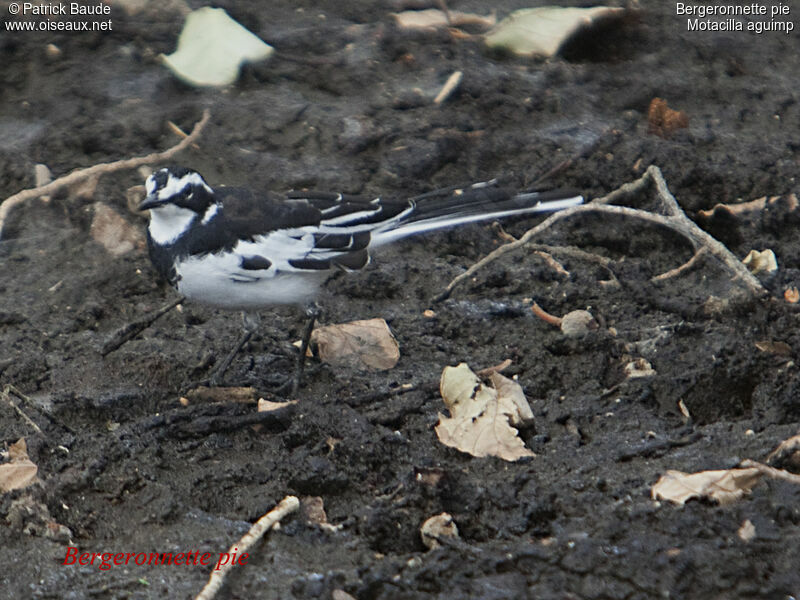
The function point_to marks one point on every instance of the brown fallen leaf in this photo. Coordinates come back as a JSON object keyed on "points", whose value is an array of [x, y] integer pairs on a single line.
{"points": [[113, 232], [20, 471], [360, 344], [791, 295], [723, 486], [664, 121], [482, 416], [777, 348]]}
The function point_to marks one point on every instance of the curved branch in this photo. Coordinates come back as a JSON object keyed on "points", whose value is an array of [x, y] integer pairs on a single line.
{"points": [[674, 219], [101, 169]]}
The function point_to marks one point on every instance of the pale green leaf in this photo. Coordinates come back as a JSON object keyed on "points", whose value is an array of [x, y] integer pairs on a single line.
{"points": [[212, 47], [542, 31]]}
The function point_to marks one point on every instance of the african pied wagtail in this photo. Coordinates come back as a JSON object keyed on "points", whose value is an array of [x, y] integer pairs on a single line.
{"points": [[230, 248]]}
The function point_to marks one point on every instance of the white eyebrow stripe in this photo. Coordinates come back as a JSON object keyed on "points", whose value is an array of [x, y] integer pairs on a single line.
{"points": [[210, 213], [175, 185]]}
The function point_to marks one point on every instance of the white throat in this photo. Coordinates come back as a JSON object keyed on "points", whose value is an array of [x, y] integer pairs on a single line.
{"points": [[168, 222]]}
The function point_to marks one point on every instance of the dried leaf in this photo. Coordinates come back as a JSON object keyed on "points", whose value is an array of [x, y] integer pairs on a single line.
{"points": [[759, 204], [359, 344], [791, 295], [763, 261], [212, 47], [436, 528], [663, 121], [269, 405], [113, 232], [777, 348], [542, 31], [20, 471], [481, 416], [747, 531], [433, 18], [724, 486], [786, 455]]}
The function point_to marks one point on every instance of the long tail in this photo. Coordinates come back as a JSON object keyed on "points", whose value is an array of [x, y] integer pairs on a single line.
{"points": [[478, 202]]}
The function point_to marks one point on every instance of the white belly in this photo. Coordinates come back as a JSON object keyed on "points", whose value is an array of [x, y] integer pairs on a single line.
{"points": [[218, 281]]}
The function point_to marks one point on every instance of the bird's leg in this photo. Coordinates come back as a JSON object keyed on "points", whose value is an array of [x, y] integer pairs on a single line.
{"points": [[312, 311], [250, 323]]}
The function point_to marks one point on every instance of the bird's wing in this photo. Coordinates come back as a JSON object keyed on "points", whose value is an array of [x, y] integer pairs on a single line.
{"points": [[303, 231]]}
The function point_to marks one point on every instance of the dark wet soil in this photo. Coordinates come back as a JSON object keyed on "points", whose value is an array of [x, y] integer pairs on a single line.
{"points": [[346, 104]]}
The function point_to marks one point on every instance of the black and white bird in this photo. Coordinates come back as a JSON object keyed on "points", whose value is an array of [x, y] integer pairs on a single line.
{"points": [[232, 248]]}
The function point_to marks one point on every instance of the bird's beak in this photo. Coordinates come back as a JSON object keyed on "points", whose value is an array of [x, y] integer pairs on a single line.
{"points": [[151, 201]]}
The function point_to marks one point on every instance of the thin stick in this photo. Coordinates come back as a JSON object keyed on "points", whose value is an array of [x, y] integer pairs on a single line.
{"points": [[100, 169], [134, 328], [10, 389], [675, 219], [449, 87], [287, 506], [771, 471], [546, 316], [683, 268]]}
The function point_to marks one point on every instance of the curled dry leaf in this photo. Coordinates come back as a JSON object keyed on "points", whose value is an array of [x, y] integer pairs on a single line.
{"points": [[482, 416], [664, 121], [638, 368], [763, 261], [747, 531], [543, 31], [436, 528], [791, 295], [786, 455], [20, 471], [113, 232], [723, 486], [360, 344]]}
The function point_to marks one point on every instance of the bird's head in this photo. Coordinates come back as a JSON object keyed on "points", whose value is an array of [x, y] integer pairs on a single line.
{"points": [[176, 197]]}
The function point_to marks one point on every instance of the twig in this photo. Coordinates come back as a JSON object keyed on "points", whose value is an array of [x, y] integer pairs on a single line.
{"points": [[443, 7], [134, 328], [100, 169], [10, 389], [552, 262], [674, 219], [683, 268], [449, 87], [287, 506], [502, 233], [771, 471], [546, 316], [489, 371]]}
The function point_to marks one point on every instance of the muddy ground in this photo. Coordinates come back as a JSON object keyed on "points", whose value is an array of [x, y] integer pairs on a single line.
{"points": [[346, 104]]}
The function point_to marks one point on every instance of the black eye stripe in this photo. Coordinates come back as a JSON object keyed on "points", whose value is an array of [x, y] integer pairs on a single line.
{"points": [[161, 179]]}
